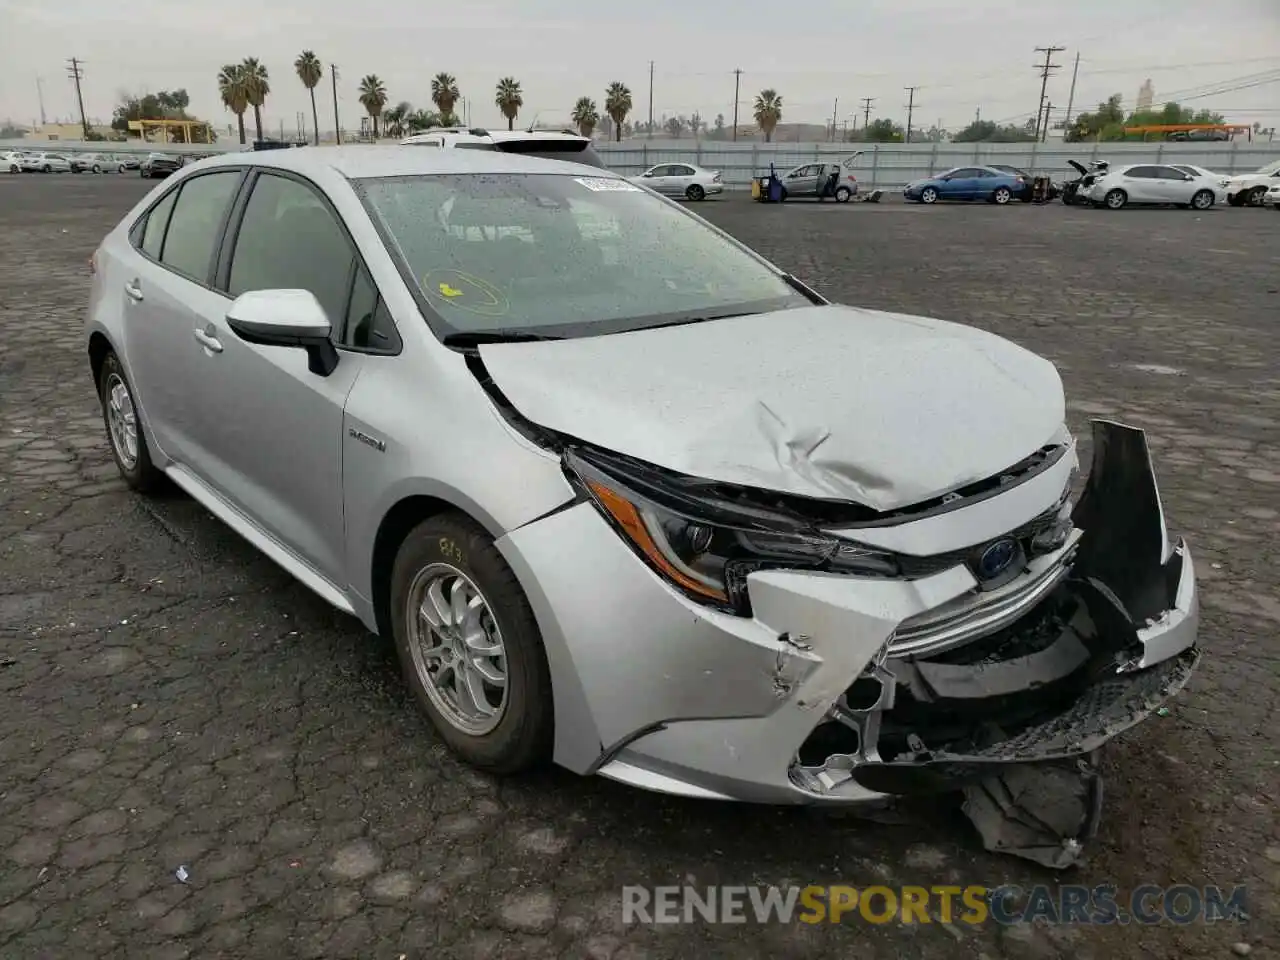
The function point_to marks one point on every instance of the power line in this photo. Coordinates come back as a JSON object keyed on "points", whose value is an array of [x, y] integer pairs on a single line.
{"points": [[911, 108], [75, 72], [1045, 69]]}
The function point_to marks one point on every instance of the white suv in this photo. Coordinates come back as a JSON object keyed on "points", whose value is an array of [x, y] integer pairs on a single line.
{"points": [[551, 144]]}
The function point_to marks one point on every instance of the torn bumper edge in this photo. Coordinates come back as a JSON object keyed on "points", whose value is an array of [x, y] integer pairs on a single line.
{"points": [[1151, 617]]}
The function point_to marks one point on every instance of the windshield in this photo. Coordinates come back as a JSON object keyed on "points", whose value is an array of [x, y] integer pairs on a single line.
{"points": [[561, 255]]}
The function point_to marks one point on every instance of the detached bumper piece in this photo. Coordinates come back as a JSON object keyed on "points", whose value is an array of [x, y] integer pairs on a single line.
{"points": [[1013, 718]]}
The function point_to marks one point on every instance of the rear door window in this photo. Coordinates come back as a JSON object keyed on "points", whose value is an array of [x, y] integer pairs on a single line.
{"points": [[196, 223]]}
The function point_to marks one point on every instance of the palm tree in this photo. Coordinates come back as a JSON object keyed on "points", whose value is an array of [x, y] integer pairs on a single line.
{"points": [[420, 120], [256, 88], [310, 70], [395, 120], [373, 97], [617, 104], [768, 112], [235, 97], [509, 99], [585, 115], [444, 94]]}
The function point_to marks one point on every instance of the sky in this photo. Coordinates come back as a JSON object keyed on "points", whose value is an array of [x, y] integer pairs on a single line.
{"points": [[962, 56]]}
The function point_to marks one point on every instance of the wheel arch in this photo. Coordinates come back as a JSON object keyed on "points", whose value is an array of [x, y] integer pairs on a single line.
{"points": [[99, 347]]}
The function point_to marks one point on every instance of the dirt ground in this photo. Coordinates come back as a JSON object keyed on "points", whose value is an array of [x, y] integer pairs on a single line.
{"points": [[170, 698]]}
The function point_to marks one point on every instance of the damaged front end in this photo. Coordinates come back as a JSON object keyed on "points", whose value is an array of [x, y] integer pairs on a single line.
{"points": [[1013, 713]]}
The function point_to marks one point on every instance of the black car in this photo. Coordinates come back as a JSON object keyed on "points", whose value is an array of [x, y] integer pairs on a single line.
{"points": [[159, 165], [1026, 195]]}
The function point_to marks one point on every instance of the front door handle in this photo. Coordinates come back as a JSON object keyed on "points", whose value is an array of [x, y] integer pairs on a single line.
{"points": [[208, 341], [132, 290]]}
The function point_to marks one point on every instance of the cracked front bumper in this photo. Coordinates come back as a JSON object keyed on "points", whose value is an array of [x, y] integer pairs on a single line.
{"points": [[810, 700]]}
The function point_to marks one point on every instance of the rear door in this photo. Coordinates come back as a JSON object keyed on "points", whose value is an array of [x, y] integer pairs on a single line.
{"points": [[167, 290], [1139, 183]]}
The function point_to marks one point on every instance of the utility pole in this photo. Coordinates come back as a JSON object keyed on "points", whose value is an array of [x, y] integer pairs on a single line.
{"points": [[866, 111], [1048, 110], [1071, 99], [977, 115], [737, 87], [834, 109], [911, 109], [1045, 69], [75, 72], [650, 99], [40, 97], [337, 127]]}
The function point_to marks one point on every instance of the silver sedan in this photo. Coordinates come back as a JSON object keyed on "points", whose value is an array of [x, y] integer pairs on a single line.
{"points": [[624, 494], [682, 180]]}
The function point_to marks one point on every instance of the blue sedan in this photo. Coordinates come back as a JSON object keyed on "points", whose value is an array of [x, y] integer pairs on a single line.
{"points": [[968, 183]]}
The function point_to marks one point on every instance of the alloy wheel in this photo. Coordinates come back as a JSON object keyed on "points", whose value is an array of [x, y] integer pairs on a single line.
{"points": [[122, 418], [929, 195], [457, 649]]}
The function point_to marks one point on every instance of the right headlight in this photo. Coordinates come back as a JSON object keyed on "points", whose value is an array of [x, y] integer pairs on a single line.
{"points": [[707, 548]]}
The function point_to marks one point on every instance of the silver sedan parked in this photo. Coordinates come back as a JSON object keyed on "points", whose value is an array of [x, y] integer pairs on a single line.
{"points": [[1148, 183], [682, 180], [625, 494]]}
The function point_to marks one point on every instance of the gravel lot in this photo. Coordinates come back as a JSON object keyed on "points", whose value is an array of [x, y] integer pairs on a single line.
{"points": [[170, 698]]}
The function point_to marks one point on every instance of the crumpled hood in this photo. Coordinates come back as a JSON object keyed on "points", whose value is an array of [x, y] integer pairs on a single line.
{"points": [[833, 402]]}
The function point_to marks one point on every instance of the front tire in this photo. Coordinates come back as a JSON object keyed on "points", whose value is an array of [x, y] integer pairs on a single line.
{"points": [[1254, 197], [696, 193], [96, 168], [1235, 199], [1116, 199], [47, 169], [929, 195], [469, 646], [1002, 195], [124, 428]]}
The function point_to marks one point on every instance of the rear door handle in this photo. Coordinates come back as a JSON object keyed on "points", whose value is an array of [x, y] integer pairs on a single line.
{"points": [[208, 341], [132, 290]]}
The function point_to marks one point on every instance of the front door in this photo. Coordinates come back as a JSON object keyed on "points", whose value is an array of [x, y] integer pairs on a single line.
{"points": [[277, 428], [1174, 185]]}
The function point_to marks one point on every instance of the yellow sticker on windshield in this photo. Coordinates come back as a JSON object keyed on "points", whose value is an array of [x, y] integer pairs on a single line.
{"points": [[462, 291]]}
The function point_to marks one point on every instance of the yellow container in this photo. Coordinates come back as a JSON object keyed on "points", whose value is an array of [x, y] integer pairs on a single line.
{"points": [[755, 189]]}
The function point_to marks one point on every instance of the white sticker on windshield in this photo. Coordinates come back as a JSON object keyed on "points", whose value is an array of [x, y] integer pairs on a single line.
{"points": [[602, 184]]}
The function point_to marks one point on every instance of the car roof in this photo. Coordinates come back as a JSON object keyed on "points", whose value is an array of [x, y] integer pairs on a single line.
{"points": [[370, 160]]}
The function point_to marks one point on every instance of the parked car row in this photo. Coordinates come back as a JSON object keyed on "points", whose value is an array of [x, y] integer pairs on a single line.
{"points": [[1103, 185], [44, 161]]}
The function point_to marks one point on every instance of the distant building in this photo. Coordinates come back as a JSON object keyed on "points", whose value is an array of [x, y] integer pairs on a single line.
{"points": [[1146, 95], [64, 131]]}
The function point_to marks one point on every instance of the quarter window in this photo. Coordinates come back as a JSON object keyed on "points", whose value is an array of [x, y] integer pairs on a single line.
{"points": [[195, 221], [288, 240], [157, 220], [369, 325]]}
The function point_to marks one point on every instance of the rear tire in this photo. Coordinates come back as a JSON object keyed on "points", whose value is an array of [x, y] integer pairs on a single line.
{"points": [[696, 193], [843, 194], [446, 549], [125, 434], [1001, 195], [1116, 199], [1202, 200]]}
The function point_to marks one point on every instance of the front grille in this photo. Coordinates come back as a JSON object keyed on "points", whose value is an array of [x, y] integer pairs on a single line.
{"points": [[980, 613]]}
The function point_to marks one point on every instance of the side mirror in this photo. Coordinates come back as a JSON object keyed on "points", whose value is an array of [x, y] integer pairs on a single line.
{"points": [[286, 318]]}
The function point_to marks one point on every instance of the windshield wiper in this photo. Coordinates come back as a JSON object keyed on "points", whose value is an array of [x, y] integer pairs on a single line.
{"points": [[475, 338]]}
